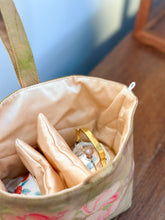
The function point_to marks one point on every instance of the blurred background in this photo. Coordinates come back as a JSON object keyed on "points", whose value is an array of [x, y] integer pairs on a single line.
{"points": [[68, 37]]}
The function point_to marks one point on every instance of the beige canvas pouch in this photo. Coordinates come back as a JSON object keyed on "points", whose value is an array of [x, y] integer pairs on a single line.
{"points": [[106, 108]]}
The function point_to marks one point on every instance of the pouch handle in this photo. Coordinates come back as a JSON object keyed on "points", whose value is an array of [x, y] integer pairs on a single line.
{"points": [[17, 45]]}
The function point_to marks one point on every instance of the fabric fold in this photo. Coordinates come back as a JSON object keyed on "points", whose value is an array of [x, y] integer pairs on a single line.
{"points": [[48, 180], [2, 186], [59, 154]]}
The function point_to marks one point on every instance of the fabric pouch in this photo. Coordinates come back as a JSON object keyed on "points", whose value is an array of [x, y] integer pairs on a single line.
{"points": [[105, 107]]}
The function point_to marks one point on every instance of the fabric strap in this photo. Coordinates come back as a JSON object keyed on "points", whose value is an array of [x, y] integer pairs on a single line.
{"points": [[17, 45]]}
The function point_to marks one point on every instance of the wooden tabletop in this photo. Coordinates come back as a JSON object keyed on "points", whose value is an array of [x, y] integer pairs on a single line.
{"points": [[132, 61]]}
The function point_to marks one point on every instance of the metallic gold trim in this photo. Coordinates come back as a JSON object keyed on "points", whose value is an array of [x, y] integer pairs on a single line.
{"points": [[94, 141]]}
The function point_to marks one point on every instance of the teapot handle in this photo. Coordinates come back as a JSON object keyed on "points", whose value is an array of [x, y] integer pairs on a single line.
{"points": [[94, 141]]}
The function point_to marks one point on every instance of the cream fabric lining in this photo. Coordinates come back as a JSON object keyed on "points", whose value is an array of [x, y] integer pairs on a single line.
{"points": [[70, 102]]}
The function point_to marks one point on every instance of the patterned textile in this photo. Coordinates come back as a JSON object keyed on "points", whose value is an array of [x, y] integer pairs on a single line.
{"points": [[28, 186]]}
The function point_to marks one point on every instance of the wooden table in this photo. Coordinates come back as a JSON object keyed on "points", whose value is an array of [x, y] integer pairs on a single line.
{"points": [[132, 61]]}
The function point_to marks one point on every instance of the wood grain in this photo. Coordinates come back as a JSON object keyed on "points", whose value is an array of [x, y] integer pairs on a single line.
{"points": [[142, 31], [133, 61]]}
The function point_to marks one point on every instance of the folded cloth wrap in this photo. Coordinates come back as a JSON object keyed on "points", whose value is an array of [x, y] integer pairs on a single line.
{"points": [[48, 180], [58, 153], [2, 186]]}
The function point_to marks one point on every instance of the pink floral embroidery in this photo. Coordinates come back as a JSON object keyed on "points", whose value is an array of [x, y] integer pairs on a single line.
{"points": [[103, 205], [85, 207], [105, 215], [110, 200], [35, 216]]}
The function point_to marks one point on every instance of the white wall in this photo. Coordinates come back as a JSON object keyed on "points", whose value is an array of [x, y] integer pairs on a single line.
{"points": [[68, 37], [110, 17]]}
